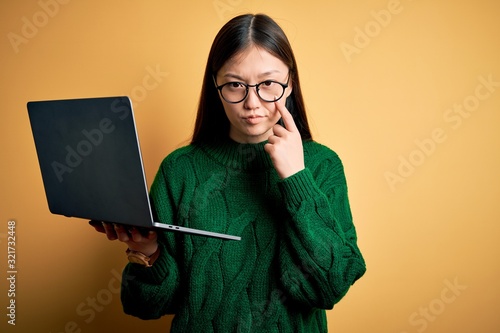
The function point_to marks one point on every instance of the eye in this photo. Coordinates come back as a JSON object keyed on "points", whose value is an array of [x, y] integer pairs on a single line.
{"points": [[236, 85], [268, 85]]}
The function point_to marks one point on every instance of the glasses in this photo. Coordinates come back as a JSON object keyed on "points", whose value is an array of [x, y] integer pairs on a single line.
{"points": [[236, 92]]}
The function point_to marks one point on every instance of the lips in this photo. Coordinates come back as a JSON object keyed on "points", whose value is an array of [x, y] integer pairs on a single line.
{"points": [[253, 119]]}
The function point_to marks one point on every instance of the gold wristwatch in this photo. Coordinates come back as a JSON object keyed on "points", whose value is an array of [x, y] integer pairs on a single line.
{"points": [[137, 257]]}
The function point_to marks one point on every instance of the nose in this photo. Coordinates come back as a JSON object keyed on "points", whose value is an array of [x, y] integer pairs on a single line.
{"points": [[252, 101]]}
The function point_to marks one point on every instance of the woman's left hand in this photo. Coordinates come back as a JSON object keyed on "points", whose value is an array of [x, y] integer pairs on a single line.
{"points": [[285, 144]]}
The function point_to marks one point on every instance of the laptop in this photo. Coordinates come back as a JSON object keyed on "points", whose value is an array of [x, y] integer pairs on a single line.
{"points": [[91, 164]]}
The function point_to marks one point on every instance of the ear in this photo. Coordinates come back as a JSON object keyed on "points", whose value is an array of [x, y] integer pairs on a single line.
{"points": [[289, 89]]}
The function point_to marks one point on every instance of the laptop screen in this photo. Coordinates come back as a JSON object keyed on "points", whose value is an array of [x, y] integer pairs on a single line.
{"points": [[90, 159]]}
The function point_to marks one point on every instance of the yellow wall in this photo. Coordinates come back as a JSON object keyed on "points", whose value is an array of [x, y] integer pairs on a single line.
{"points": [[398, 88]]}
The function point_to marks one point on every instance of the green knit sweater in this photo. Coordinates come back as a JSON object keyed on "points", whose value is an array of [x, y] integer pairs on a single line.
{"points": [[297, 255]]}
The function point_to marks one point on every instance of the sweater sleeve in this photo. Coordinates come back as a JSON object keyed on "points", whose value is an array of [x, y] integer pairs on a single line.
{"points": [[319, 256], [150, 292]]}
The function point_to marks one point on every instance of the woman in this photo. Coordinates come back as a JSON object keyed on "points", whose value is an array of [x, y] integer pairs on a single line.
{"points": [[252, 170]]}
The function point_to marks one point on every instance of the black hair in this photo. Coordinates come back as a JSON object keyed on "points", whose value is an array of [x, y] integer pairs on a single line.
{"points": [[235, 36]]}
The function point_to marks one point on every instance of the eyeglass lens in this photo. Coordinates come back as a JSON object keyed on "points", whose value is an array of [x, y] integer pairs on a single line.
{"points": [[268, 91]]}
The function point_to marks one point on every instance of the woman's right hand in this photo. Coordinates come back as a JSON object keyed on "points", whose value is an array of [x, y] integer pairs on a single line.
{"points": [[144, 242]]}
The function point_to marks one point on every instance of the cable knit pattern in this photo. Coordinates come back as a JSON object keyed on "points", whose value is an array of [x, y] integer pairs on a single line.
{"points": [[298, 253]]}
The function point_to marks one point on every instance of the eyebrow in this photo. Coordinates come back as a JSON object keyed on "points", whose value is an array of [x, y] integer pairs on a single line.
{"points": [[264, 74]]}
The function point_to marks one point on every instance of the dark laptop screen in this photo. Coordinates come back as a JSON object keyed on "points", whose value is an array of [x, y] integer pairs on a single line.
{"points": [[90, 159]]}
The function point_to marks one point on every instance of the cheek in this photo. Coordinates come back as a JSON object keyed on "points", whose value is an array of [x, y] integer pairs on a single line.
{"points": [[229, 110], [274, 113]]}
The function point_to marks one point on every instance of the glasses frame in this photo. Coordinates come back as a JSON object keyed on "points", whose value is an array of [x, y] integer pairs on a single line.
{"points": [[248, 86]]}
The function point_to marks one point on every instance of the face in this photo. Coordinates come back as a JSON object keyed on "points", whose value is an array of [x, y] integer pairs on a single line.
{"points": [[251, 120]]}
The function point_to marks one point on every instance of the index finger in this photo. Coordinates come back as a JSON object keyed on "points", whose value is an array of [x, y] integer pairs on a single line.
{"points": [[286, 116], [97, 226]]}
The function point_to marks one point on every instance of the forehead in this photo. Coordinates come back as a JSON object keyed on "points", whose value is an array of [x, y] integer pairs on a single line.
{"points": [[253, 61]]}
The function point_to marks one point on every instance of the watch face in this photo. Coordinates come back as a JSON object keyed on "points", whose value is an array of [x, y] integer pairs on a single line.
{"points": [[136, 260]]}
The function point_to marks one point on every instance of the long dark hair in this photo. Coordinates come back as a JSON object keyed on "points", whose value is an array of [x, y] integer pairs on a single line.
{"points": [[235, 36]]}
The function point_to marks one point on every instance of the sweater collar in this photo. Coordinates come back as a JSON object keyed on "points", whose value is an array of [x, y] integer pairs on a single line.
{"points": [[239, 156]]}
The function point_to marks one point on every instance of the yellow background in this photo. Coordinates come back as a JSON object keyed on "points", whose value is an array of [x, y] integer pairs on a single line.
{"points": [[376, 86]]}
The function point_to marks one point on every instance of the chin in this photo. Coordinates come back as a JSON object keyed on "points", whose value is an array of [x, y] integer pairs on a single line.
{"points": [[257, 137]]}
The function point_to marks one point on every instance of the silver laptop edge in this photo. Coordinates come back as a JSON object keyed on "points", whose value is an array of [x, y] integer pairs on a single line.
{"points": [[195, 231]]}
